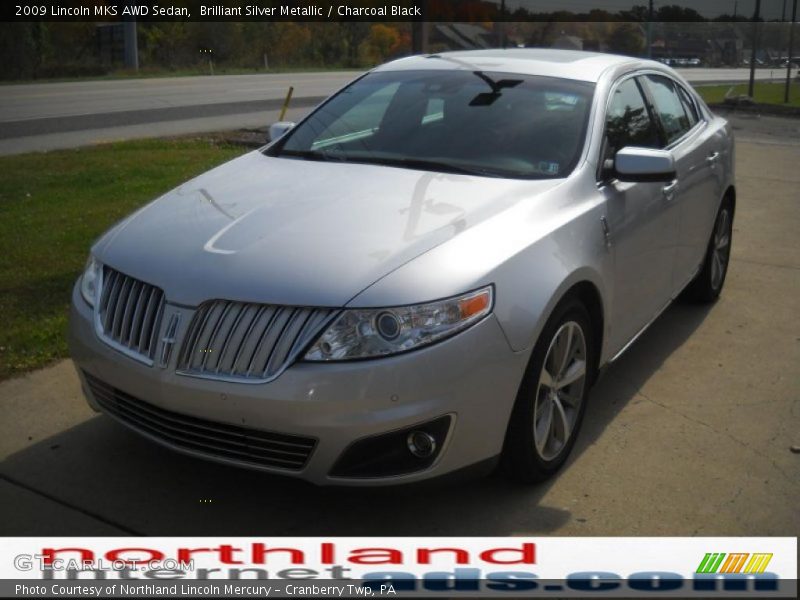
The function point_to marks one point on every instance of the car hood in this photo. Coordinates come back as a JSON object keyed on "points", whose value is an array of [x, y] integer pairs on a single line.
{"points": [[297, 232]]}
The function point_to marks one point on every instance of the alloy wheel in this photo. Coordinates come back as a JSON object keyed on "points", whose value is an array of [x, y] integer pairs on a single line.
{"points": [[559, 393], [720, 253]]}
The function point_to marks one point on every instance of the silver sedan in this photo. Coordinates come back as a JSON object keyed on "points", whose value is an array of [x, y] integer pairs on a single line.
{"points": [[424, 276]]}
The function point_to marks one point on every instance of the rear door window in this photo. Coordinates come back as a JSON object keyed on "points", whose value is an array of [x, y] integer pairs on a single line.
{"points": [[688, 105], [668, 106]]}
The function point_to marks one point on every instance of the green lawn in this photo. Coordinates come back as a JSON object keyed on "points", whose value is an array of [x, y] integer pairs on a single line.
{"points": [[52, 207], [768, 93]]}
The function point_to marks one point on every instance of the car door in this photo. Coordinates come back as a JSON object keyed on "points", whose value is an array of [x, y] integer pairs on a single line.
{"points": [[696, 162], [699, 209], [641, 218]]}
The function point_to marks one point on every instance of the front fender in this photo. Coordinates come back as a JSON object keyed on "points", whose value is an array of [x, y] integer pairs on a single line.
{"points": [[533, 253], [532, 283]]}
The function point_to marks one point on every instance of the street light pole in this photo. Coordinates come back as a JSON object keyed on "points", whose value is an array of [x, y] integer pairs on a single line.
{"points": [[789, 58], [650, 31], [756, 14]]}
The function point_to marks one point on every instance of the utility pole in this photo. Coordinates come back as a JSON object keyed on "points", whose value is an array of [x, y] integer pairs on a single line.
{"points": [[756, 15], [419, 31], [735, 9], [791, 51], [650, 30], [783, 12], [131, 44], [503, 42]]}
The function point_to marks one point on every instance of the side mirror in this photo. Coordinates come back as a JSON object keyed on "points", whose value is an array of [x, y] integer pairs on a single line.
{"points": [[276, 130], [644, 164]]}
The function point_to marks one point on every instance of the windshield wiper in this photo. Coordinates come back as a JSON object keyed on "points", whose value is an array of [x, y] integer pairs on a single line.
{"points": [[313, 155], [422, 165], [389, 161]]}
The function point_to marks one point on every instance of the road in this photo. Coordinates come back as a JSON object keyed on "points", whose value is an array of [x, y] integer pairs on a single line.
{"points": [[689, 433], [48, 116]]}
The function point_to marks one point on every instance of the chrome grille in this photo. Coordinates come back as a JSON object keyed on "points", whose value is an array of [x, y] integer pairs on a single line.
{"points": [[129, 313], [220, 440], [244, 341]]}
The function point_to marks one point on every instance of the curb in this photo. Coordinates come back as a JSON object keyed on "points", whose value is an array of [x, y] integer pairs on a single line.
{"points": [[774, 110]]}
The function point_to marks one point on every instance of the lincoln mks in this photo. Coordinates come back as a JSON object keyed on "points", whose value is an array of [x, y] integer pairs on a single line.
{"points": [[424, 275]]}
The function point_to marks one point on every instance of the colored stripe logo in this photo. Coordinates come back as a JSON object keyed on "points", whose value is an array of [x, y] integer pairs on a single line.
{"points": [[735, 562]]}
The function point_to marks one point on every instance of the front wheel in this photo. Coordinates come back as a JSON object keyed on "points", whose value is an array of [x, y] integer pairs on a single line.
{"points": [[707, 286], [552, 398]]}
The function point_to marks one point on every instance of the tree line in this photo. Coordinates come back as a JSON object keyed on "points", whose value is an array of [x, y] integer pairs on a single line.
{"points": [[75, 49]]}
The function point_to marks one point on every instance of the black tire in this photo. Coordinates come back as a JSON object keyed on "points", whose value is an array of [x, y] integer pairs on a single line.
{"points": [[521, 459], [708, 283]]}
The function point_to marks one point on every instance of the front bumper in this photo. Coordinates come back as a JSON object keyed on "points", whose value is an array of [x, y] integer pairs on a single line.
{"points": [[473, 377]]}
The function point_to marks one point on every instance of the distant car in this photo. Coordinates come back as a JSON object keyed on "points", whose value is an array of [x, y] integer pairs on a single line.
{"points": [[424, 275]]}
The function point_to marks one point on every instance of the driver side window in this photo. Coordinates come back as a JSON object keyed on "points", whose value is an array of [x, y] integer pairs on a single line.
{"points": [[671, 113], [628, 121]]}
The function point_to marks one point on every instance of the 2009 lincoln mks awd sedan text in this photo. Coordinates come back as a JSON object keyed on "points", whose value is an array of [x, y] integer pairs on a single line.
{"points": [[424, 275]]}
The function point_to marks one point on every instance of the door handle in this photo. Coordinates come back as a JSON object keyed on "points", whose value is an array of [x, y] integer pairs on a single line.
{"points": [[670, 189], [712, 158]]}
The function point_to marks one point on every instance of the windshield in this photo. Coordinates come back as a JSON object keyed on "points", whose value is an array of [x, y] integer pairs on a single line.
{"points": [[482, 123]]}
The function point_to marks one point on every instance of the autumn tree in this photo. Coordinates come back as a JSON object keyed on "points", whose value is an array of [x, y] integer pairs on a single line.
{"points": [[380, 41], [165, 45], [627, 39]]}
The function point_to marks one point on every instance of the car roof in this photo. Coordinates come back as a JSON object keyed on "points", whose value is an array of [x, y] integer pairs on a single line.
{"points": [[567, 64]]}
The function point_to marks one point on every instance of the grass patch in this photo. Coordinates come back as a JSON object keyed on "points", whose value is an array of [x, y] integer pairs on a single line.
{"points": [[52, 207], [764, 92]]}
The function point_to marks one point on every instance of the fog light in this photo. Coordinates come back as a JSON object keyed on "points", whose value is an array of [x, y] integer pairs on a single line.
{"points": [[399, 452], [421, 444]]}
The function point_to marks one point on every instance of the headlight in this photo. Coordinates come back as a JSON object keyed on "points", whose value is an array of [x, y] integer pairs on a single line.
{"points": [[90, 280], [370, 333]]}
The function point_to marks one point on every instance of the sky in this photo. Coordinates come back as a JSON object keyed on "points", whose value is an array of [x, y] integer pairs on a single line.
{"points": [[770, 9]]}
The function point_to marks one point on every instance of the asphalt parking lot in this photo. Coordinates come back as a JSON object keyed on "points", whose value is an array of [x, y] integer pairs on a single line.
{"points": [[689, 433]]}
